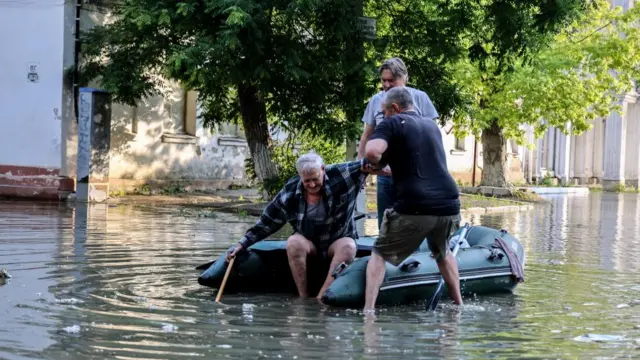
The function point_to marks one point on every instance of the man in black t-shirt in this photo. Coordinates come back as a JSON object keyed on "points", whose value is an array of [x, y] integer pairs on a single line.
{"points": [[427, 196]]}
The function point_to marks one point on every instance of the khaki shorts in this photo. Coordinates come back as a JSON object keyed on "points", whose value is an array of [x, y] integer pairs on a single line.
{"points": [[401, 235]]}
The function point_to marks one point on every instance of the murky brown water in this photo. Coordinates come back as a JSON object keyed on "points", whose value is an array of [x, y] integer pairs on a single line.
{"points": [[122, 285]]}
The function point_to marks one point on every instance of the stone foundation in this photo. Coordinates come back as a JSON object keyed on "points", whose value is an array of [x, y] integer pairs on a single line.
{"points": [[35, 183]]}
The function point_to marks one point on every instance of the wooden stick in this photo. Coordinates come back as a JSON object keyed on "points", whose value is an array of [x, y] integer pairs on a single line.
{"points": [[224, 280]]}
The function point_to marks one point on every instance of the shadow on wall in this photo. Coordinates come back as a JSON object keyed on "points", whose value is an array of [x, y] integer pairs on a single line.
{"points": [[160, 139]]}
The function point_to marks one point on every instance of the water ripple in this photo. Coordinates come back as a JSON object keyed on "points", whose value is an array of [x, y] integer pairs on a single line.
{"points": [[119, 282]]}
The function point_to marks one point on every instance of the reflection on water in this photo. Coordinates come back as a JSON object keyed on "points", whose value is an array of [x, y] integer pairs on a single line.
{"points": [[119, 282]]}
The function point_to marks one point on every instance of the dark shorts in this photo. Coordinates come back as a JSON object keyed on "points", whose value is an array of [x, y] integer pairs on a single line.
{"points": [[401, 235], [323, 251]]}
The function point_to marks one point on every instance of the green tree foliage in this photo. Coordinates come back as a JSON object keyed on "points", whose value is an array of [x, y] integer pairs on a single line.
{"points": [[434, 35], [428, 35], [580, 77], [447, 44], [575, 75], [248, 60], [296, 63]]}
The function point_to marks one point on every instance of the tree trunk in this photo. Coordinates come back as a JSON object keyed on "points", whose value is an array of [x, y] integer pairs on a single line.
{"points": [[494, 157], [256, 129]]}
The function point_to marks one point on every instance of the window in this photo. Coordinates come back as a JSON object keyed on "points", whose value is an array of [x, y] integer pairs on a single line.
{"points": [[230, 130], [179, 125], [190, 100], [134, 120], [460, 144], [231, 135]]}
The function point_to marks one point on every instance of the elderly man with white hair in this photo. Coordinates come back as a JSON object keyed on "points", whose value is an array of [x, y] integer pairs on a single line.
{"points": [[318, 203]]}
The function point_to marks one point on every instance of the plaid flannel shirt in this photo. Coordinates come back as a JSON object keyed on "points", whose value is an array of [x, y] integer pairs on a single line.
{"points": [[342, 182]]}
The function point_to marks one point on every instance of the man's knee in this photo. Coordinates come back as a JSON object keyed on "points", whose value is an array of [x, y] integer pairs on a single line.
{"points": [[345, 248], [298, 245]]}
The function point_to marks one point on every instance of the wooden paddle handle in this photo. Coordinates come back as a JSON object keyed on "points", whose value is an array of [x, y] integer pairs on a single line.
{"points": [[224, 280]]}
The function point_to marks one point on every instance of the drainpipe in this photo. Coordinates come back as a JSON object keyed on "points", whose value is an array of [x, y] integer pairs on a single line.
{"points": [[555, 153], [475, 161], [76, 55], [530, 167]]}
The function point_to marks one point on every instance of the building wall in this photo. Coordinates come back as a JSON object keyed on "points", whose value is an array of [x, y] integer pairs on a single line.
{"points": [[605, 154], [160, 153], [31, 99], [30, 106], [160, 141], [460, 153]]}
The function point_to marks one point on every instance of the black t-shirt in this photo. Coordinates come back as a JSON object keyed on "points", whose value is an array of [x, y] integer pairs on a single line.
{"points": [[419, 165]]}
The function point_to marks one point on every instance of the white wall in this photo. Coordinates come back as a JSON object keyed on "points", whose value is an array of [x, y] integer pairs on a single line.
{"points": [[31, 33], [145, 156]]}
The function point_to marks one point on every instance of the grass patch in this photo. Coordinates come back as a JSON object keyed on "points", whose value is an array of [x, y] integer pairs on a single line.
{"points": [[468, 201], [147, 190], [618, 188], [621, 188]]}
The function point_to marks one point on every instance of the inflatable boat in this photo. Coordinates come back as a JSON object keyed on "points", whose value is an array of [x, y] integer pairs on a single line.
{"points": [[489, 261]]}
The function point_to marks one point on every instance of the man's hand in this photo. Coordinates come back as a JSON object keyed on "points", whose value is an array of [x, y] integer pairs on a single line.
{"points": [[233, 251], [386, 171], [375, 169], [369, 168]]}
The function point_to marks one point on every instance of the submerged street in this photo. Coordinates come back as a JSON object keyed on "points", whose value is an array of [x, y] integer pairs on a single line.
{"points": [[110, 281]]}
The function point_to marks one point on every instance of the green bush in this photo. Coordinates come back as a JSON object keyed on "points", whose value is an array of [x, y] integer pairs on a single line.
{"points": [[285, 153]]}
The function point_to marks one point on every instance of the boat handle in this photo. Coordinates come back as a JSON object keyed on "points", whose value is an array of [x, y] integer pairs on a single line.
{"points": [[495, 254], [338, 269], [410, 266]]}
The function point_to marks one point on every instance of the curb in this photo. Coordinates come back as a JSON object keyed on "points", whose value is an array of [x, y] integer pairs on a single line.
{"points": [[496, 209], [256, 211]]}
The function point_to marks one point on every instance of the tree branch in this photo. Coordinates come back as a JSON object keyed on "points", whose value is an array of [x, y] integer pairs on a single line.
{"points": [[595, 31]]}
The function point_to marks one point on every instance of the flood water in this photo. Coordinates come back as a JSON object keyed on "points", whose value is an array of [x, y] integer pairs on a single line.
{"points": [[118, 282]]}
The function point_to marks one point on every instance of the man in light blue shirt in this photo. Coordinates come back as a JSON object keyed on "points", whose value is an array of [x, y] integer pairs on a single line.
{"points": [[393, 73]]}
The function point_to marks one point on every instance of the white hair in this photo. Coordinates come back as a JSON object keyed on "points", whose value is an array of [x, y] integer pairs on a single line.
{"points": [[309, 162], [399, 95]]}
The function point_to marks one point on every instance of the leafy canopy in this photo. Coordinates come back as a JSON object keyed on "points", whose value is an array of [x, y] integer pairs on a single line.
{"points": [[433, 36], [295, 52], [580, 76]]}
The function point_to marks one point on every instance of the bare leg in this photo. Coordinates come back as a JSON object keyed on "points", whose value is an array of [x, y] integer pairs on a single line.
{"points": [[375, 275], [342, 250], [449, 270], [298, 248]]}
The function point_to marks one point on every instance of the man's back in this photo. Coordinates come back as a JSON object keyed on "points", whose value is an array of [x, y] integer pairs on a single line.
{"points": [[418, 162]]}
